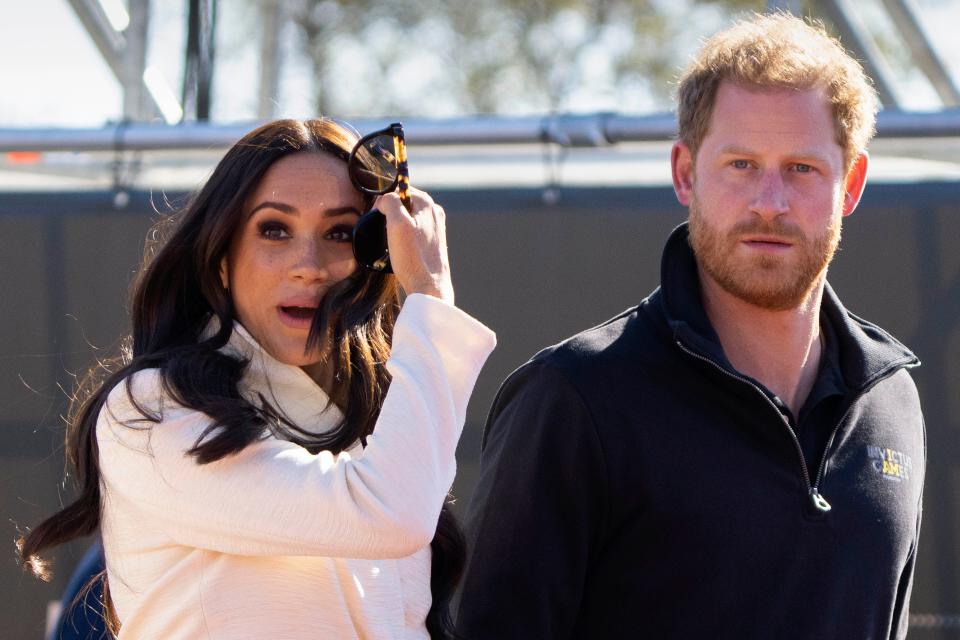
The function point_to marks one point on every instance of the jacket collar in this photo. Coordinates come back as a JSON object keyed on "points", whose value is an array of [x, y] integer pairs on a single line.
{"points": [[866, 352]]}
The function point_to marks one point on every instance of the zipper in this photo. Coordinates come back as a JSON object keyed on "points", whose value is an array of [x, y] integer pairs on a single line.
{"points": [[819, 503]]}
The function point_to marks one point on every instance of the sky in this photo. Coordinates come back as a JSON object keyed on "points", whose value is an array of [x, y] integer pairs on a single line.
{"points": [[51, 74]]}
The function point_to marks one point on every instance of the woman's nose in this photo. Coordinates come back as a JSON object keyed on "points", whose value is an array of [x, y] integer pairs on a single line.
{"points": [[308, 264]]}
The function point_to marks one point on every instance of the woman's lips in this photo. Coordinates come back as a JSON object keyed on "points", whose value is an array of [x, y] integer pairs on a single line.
{"points": [[296, 317]]}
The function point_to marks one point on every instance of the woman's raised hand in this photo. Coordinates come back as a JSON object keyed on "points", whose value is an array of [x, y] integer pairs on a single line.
{"points": [[418, 244]]}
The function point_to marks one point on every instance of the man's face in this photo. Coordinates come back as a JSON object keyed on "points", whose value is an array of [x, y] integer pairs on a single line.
{"points": [[766, 192]]}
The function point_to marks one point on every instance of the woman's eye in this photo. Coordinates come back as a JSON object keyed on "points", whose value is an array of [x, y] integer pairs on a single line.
{"points": [[340, 233], [273, 231]]}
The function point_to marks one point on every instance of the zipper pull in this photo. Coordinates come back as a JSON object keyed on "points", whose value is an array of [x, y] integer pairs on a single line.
{"points": [[819, 502]]}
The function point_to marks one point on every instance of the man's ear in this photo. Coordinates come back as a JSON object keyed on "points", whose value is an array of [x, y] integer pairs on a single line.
{"points": [[854, 183], [681, 164], [224, 274]]}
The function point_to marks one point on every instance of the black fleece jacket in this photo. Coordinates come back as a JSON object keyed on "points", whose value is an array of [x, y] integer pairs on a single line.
{"points": [[633, 484]]}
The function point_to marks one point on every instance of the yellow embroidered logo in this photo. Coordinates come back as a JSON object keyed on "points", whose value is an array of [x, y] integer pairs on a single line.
{"points": [[890, 463]]}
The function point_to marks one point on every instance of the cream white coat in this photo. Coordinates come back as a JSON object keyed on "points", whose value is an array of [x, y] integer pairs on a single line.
{"points": [[275, 542]]}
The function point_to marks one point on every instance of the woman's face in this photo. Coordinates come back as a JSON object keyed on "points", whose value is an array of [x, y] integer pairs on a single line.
{"points": [[292, 245]]}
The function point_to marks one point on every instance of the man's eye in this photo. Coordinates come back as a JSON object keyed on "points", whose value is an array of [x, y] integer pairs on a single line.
{"points": [[273, 231], [740, 164], [802, 168]]}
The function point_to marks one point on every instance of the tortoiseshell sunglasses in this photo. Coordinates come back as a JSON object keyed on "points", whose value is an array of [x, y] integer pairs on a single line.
{"points": [[378, 165]]}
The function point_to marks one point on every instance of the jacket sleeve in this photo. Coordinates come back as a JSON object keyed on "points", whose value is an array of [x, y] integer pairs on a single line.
{"points": [[901, 612], [536, 513], [276, 498]]}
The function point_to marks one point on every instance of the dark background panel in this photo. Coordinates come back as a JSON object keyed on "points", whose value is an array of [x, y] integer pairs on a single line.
{"points": [[26, 371], [534, 272]]}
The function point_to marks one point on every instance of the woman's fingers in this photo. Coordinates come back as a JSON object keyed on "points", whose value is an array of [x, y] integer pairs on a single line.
{"points": [[418, 244]]}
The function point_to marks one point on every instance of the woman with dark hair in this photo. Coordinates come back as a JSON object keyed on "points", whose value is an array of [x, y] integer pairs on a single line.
{"points": [[272, 456]]}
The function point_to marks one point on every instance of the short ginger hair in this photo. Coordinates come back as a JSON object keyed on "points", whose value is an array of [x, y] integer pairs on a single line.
{"points": [[779, 51]]}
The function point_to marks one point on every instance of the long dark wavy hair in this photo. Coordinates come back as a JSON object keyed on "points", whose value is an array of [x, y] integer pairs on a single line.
{"points": [[176, 294]]}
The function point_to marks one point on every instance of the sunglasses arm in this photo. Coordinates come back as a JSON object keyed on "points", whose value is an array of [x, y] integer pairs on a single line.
{"points": [[403, 171]]}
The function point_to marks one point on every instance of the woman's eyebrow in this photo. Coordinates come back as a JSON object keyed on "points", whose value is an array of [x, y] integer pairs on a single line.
{"points": [[283, 207], [340, 211]]}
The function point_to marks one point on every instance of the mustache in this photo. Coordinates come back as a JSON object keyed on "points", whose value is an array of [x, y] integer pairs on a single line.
{"points": [[775, 227]]}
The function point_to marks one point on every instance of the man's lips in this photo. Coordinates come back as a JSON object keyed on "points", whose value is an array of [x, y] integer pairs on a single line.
{"points": [[768, 243]]}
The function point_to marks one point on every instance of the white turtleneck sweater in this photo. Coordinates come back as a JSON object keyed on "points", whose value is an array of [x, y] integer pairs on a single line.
{"points": [[275, 542]]}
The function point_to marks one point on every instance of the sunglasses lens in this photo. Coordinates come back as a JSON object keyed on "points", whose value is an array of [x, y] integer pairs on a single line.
{"points": [[374, 168], [370, 242]]}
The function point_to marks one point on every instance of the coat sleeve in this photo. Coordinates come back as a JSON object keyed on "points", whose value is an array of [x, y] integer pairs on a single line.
{"points": [[274, 497], [536, 514]]}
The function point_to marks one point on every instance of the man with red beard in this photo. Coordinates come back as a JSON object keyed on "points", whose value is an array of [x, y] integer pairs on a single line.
{"points": [[738, 456]]}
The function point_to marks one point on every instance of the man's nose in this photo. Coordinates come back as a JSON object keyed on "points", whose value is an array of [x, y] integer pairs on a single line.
{"points": [[770, 198]]}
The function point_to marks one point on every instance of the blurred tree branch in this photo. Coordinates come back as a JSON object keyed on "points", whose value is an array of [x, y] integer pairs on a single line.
{"points": [[494, 56]]}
